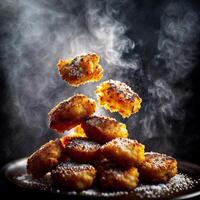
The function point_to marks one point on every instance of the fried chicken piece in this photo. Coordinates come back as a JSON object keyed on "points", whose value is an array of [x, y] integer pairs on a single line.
{"points": [[71, 112], [124, 152], [83, 150], [116, 96], [80, 70], [73, 176], [111, 177], [157, 168], [103, 129], [45, 159]]}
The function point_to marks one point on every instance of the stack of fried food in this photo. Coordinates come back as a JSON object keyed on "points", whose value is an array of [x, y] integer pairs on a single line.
{"points": [[98, 151]]}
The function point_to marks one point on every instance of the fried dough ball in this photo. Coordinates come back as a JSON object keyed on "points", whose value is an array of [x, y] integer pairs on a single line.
{"points": [[111, 177], [116, 96], [45, 159], [70, 112], [80, 70], [83, 150], [124, 152], [73, 176], [158, 168], [103, 129]]}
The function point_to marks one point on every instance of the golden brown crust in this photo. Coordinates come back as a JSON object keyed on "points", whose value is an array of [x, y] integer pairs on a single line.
{"points": [[71, 112], [124, 152], [83, 150], [80, 70], [73, 176], [116, 96], [158, 168], [103, 129], [111, 177], [45, 159]]}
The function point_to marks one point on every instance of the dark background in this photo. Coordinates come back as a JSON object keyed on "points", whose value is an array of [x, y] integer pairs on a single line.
{"points": [[144, 22]]}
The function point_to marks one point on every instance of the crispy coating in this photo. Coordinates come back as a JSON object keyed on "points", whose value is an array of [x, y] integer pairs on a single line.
{"points": [[70, 112], [158, 168], [80, 70], [73, 176], [77, 133], [103, 129], [67, 138], [83, 150], [45, 159], [124, 152], [116, 96], [111, 177]]}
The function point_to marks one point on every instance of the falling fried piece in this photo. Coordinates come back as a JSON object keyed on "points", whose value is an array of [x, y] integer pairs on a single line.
{"points": [[124, 152], [103, 129], [111, 177], [80, 70], [158, 168], [116, 96], [71, 112], [73, 176]]}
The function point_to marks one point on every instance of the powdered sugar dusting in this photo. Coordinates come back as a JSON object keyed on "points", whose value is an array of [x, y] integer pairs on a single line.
{"points": [[75, 69], [179, 184], [26, 180], [123, 89]]}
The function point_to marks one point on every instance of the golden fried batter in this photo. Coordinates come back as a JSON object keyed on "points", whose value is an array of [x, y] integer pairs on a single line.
{"points": [[45, 159], [73, 176], [78, 131], [83, 150], [80, 70], [158, 168], [70, 112], [124, 152], [103, 129], [118, 97], [111, 177]]}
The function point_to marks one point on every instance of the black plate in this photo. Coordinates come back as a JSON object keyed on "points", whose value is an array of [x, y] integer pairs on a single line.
{"points": [[185, 184]]}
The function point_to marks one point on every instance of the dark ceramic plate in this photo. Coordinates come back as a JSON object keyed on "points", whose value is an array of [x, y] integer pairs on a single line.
{"points": [[184, 185]]}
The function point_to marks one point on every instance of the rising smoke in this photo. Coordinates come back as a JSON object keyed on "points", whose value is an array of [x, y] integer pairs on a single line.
{"points": [[41, 32], [178, 54]]}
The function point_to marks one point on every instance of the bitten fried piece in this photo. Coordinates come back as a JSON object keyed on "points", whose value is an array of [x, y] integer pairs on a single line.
{"points": [[124, 152], [73, 176], [45, 159], [116, 96], [103, 129], [158, 168], [111, 177], [70, 112], [80, 70], [83, 150]]}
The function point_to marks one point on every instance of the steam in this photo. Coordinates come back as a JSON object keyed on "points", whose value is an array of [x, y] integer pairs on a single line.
{"points": [[177, 46], [42, 32]]}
